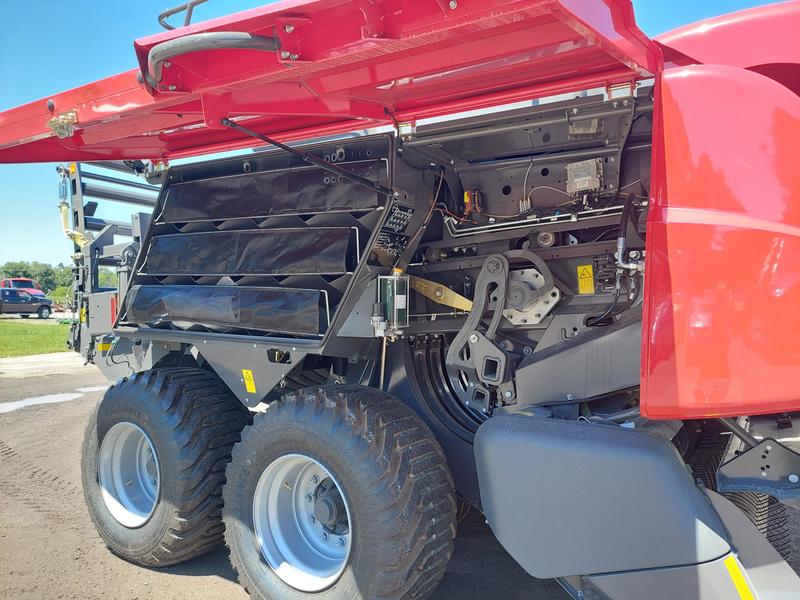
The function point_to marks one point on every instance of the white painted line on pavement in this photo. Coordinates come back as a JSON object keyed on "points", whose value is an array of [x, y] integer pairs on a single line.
{"points": [[92, 388], [8, 407]]}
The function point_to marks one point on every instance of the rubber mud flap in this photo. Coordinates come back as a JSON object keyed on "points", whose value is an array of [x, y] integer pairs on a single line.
{"points": [[284, 310], [284, 192], [293, 251]]}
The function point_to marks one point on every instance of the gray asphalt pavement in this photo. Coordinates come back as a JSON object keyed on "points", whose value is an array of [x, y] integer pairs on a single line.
{"points": [[49, 549]]}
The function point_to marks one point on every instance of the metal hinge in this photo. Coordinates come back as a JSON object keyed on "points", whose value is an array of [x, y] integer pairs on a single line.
{"points": [[64, 124]]}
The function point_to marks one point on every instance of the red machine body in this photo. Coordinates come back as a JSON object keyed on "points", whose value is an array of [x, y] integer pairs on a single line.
{"points": [[722, 298]]}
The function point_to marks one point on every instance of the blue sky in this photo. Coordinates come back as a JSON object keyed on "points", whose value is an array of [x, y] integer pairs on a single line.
{"points": [[48, 46]]}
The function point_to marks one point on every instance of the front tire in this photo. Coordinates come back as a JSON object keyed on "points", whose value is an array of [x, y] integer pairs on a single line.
{"points": [[43, 312], [154, 460], [376, 487]]}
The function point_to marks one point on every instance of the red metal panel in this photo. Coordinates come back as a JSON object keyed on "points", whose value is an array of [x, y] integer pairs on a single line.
{"points": [[346, 64], [721, 329], [757, 36]]}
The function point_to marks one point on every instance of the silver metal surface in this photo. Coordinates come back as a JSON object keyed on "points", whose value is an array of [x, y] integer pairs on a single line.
{"points": [[128, 474], [303, 550], [535, 312]]}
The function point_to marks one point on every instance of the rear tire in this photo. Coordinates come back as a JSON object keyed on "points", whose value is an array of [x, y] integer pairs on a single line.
{"points": [[154, 460], [396, 519]]}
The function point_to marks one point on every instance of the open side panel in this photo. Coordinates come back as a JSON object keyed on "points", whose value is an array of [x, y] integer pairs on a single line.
{"points": [[323, 67], [721, 318]]}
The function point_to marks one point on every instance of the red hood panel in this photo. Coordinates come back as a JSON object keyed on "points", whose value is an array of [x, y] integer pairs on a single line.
{"points": [[341, 67]]}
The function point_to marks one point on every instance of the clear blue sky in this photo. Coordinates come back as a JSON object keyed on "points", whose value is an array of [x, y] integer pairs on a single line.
{"points": [[48, 46]]}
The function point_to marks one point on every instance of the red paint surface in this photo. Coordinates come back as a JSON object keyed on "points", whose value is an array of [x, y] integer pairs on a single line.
{"points": [[721, 328], [415, 58]]}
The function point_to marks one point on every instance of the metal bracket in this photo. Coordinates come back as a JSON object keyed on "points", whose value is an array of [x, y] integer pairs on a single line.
{"points": [[472, 350], [767, 468]]}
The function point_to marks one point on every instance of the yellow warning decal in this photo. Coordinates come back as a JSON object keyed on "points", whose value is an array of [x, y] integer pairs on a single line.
{"points": [[103, 346], [249, 382], [739, 581], [585, 279]]}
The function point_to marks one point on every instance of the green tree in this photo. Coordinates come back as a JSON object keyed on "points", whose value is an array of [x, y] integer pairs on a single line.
{"points": [[108, 278]]}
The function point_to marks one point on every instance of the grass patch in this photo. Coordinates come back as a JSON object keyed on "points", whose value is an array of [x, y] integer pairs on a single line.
{"points": [[18, 338]]}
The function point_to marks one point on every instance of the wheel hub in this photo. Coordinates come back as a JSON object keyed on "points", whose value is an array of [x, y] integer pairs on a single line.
{"points": [[302, 522], [128, 474], [329, 508]]}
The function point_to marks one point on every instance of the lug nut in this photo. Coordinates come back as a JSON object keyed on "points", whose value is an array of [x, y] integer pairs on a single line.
{"points": [[309, 497], [341, 542], [323, 536], [509, 393], [312, 519], [315, 479]]}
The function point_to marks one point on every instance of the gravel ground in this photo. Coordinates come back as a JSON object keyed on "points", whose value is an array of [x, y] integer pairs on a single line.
{"points": [[49, 549]]}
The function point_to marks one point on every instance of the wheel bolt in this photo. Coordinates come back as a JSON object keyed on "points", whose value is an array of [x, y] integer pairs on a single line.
{"points": [[315, 480], [341, 542], [312, 519], [323, 536], [309, 497]]}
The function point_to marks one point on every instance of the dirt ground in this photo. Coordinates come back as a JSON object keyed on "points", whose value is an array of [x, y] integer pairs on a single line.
{"points": [[48, 546]]}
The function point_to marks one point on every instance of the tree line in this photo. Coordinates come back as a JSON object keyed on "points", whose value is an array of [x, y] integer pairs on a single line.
{"points": [[56, 281]]}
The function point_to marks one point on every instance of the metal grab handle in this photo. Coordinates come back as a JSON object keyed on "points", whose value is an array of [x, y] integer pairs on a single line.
{"points": [[188, 7], [216, 40]]}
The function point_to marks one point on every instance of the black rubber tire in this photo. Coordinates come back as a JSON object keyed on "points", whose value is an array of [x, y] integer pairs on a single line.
{"points": [[775, 520], [389, 466], [193, 421], [44, 312]]}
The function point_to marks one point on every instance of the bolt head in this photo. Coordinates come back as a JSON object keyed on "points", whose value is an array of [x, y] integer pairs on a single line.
{"points": [[288, 28], [473, 339], [294, 56], [172, 88], [793, 478], [285, 54], [453, 4], [167, 64], [570, 397], [323, 536], [315, 479], [508, 394]]}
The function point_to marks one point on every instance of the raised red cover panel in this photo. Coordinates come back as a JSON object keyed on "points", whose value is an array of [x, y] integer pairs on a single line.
{"points": [[721, 324], [342, 65]]}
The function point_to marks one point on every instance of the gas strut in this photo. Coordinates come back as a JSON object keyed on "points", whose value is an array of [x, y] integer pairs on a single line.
{"points": [[313, 160]]}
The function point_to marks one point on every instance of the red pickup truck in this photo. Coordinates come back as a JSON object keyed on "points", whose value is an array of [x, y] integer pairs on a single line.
{"points": [[25, 284]]}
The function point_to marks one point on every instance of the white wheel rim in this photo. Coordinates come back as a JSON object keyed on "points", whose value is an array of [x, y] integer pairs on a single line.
{"points": [[128, 474], [302, 522]]}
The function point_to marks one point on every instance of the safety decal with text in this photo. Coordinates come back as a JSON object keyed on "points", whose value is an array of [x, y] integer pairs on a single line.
{"points": [[585, 279], [249, 382]]}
